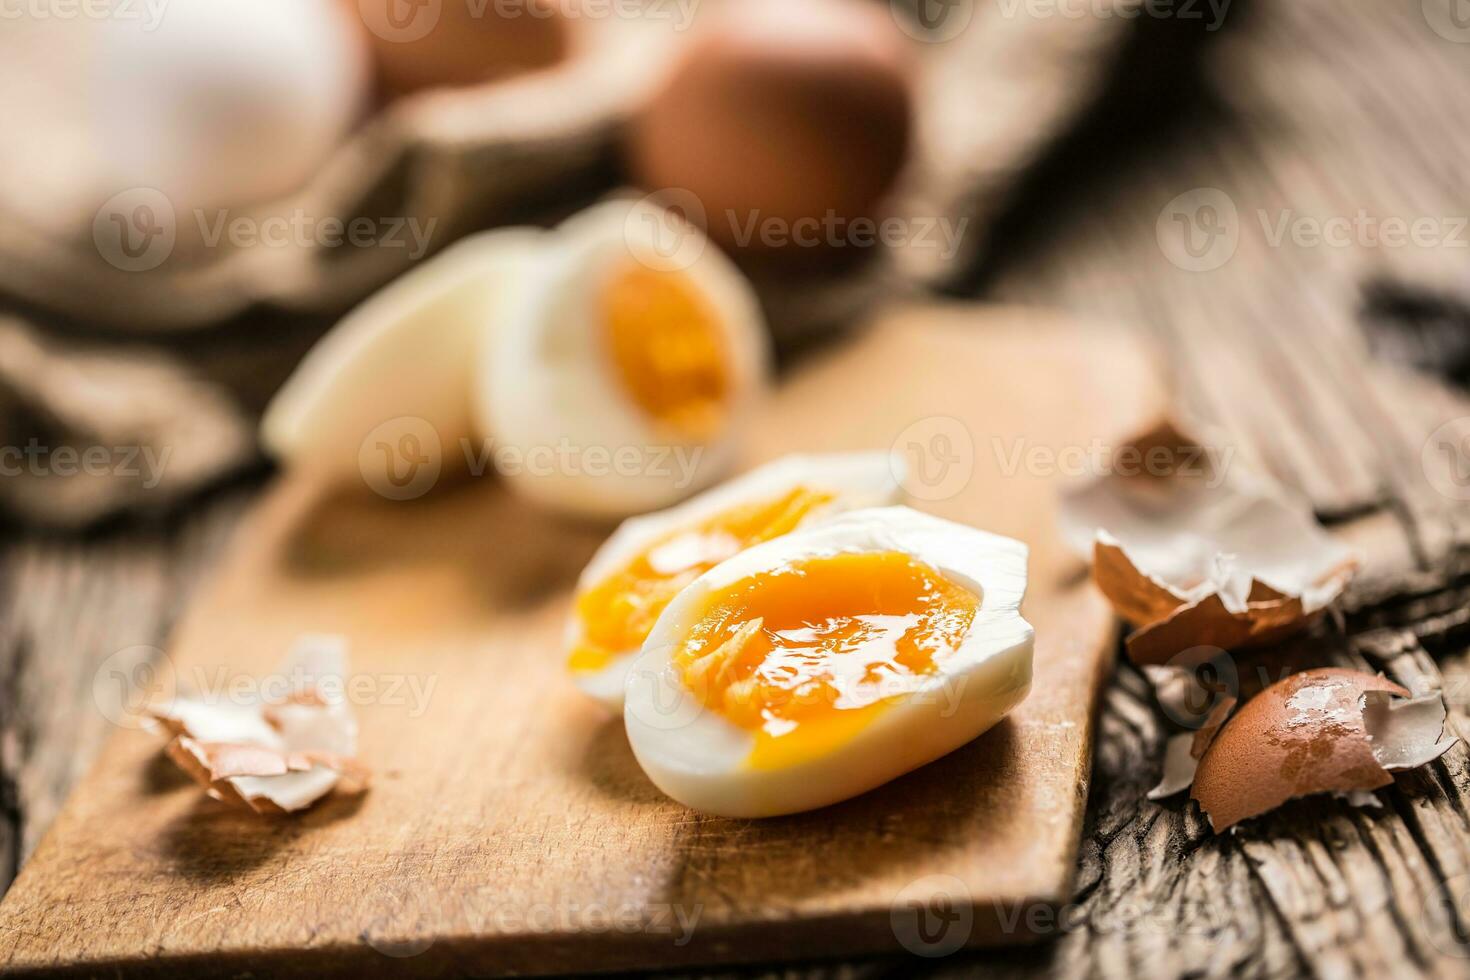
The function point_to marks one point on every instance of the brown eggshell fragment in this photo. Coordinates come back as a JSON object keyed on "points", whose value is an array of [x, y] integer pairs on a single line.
{"points": [[1194, 550], [777, 115], [1302, 735], [460, 43]]}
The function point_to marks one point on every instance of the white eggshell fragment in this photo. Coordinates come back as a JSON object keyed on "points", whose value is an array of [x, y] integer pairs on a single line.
{"points": [[273, 754], [701, 759], [569, 434], [851, 480], [407, 353]]}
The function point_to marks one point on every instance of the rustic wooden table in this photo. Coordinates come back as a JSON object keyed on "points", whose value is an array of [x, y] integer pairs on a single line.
{"points": [[1317, 114]]}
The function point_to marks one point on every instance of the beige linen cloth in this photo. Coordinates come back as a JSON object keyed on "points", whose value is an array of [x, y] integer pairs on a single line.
{"points": [[169, 366]]}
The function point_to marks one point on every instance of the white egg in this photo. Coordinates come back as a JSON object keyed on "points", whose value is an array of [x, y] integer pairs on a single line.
{"points": [[650, 558], [622, 380], [819, 665], [225, 103], [407, 353]]}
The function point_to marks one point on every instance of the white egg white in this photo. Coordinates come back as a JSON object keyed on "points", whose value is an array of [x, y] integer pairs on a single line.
{"points": [[409, 351], [700, 759], [547, 387], [853, 481]]}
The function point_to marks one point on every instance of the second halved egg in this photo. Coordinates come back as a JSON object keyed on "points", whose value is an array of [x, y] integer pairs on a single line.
{"points": [[651, 558]]}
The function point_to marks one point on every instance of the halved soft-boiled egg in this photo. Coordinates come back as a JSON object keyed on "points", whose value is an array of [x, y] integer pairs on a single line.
{"points": [[649, 559], [621, 379], [821, 664], [409, 351]]}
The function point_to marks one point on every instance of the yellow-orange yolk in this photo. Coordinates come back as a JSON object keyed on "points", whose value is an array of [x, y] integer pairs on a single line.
{"points": [[666, 345], [617, 614], [805, 655]]}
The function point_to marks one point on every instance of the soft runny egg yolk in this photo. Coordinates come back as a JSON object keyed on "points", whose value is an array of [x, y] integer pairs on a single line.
{"points": [[618, 613], [805, 655], [667, 348]]}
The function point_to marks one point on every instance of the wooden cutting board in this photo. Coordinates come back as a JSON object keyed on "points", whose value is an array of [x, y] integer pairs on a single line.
{"points": [[509, 828]]}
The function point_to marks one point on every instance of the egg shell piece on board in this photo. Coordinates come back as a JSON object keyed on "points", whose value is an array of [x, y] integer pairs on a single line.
{"points": [[851, 480], [548, 387], [700, 758], [408, 352], [277, 755]]}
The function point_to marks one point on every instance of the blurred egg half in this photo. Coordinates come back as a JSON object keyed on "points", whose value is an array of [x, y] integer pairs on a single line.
{"points": [[780, 111], [621, 379], [438, 43], [404, 359], [226, 103]]}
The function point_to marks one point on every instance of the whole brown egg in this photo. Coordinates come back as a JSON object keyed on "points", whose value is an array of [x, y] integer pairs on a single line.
{"points": [[439, 43], [779, 114]]}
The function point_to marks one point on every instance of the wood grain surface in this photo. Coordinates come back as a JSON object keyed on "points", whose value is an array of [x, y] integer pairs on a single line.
{"points": [[1319, 106], [509, 828]]}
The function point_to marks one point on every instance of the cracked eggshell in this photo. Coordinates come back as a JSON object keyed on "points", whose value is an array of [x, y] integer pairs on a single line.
{"points": [[699, 758], [1312, 733], [1193, 551], [407, 352], [853, 480], [547, 386], [272, 757]]}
